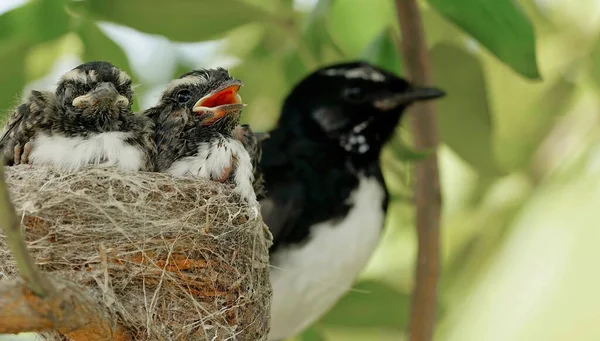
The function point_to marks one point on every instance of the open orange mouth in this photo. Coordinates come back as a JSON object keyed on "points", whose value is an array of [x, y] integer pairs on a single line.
{"points": [[228, 95]]}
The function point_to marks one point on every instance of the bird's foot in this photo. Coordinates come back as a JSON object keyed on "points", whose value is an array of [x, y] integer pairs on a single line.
{"points": [[21, 153], [17, 154], [26, 152]]}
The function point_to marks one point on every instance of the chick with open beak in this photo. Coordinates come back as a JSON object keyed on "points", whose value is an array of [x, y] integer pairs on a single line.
{"points": [[195, 120]]}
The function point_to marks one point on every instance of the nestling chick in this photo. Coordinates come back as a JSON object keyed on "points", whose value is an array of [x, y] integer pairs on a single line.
{"points": [[195, 119], [22, 124], [252, 143], [90, 123]]}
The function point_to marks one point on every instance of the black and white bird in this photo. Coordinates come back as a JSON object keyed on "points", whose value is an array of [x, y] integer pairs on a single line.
{"points": [[88, 122], [326, 198], [195, 121]]}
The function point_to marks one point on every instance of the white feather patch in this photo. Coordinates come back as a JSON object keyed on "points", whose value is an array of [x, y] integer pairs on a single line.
{"points": [[310, 278], [78, 75], [123, 76], [213, 158], [188, 80], [72, 153], [363, 72]]}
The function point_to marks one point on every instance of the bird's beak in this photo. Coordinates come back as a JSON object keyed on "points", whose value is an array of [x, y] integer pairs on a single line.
{"points": [[104, 95], [406, 97], [221, 102]]}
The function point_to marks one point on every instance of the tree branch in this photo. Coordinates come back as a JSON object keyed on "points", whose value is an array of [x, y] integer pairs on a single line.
{"points": [[37, 302], [70, 312], [14, 238], [427, 191]]}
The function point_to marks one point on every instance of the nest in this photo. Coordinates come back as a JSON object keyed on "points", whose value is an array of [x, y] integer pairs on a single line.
{"points": [[171, 259]]}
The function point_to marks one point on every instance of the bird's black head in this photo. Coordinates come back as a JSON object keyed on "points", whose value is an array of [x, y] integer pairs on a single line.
{"points": [[356, 105], [207, 98], [96, 92]]}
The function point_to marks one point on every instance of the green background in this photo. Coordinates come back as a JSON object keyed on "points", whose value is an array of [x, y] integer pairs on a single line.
{"points": [[520, 153]]}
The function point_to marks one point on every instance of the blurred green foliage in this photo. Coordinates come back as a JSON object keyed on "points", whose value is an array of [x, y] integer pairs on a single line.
{"points": [[519, 157]]}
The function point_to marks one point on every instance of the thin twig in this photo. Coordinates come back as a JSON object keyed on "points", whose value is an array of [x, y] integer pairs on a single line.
{"points": [[36, 282], [427, 191]]}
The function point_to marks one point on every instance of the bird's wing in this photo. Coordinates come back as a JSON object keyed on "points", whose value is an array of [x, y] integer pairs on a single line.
{"points": [[282, 208], [25, 120], [285, 200], [12, 125]]}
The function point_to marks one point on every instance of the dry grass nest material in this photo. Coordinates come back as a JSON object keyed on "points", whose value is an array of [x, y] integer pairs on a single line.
{"points": [[172, 259]]}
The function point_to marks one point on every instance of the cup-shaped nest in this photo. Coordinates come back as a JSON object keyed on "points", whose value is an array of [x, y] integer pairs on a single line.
{"points": [[172, 259]]}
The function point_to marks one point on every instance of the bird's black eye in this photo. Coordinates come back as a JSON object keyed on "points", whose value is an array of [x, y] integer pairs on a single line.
{"points": [[354, 94], [183, 96]]}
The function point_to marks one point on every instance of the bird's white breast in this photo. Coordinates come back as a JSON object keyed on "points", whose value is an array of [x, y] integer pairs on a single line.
{"points": [[211, 160], [71, 153], [310, 278]]}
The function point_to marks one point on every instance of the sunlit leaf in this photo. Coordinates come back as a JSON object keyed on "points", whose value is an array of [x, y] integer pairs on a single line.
{"points": [[312, 334], [316, 31], [294, 68], [541, 118], [383, 52], [183, 20], [370, 304], [98, 46], [499, 25], [43, 57], [464, 115], [264, 86], [595, 64], [12, 78], [355, 23], [35, 22]]}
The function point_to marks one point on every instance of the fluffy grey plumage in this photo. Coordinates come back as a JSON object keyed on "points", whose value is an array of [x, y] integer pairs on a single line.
{"points": [[195, 119], [252, 143], [22, 124], [88, 121]]}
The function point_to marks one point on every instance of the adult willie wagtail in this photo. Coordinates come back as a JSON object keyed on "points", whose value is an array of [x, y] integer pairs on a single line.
{"points": [[326, 199]]}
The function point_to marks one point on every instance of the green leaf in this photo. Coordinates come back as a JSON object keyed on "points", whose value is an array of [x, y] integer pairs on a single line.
{"points": [[312, 334], [35, 22], [355, 23], [383, 52], [542, 117], [294, 69], [12, 79], [370, 304], [98, 46], [316, 31], [465, 121], [180, 20], [42, 57], [595, 63], [406, 153], [499, 25]]}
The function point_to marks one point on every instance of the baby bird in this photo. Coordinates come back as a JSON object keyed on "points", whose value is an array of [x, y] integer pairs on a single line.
{"points": [[252, 143], [195, 119], [21, 125], [88, 122]]}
